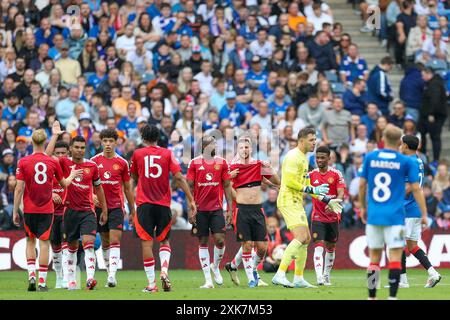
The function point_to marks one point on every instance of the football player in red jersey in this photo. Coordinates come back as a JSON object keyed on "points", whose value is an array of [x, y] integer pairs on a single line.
{"points": [[35, 182], [79, 217], [250, 219], [208, 177], [150, 167], [57, 240], [325, 223], [114, 173]]}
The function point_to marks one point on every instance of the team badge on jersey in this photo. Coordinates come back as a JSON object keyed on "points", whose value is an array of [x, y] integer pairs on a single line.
{"points": [[330, 180], [217, 166], [87, 170], [116, 166]]}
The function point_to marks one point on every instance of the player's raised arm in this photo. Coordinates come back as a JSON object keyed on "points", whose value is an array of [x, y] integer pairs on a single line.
{"points": [[56, 132], [18, 194]]}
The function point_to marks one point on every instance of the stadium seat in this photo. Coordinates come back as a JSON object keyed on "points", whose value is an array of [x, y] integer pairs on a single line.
{"points": [[338, 88], [331, 76]]}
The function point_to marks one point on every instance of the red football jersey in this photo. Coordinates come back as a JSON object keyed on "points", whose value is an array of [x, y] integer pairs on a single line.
{"points": [[252, 172], [37, 171], [79, 192], [153, 165], [59, 208], [335, 180], [113, 172], [208, 177]]}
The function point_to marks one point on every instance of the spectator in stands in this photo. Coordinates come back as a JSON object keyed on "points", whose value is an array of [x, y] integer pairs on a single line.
{"points": [[443, 221], [256, 75], [263, 117], [270, 205], [379, 90], [353, 66], [318, 17], [355, 99], [398, 117], [370, 118], [236, 113], [433, 111], [69, 68], [240, 56], [336, 126], [291, 119], [377, 133], [359, 145], [120, 105], [7, 203], [65, 108], [411, 90], [406, 20], [417, 36], [312, 111], [434, 48], [321, 49], [7, 166], [441, 180]]}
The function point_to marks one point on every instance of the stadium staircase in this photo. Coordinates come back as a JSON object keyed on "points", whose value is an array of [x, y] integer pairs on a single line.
{"points": [[370, 49]]}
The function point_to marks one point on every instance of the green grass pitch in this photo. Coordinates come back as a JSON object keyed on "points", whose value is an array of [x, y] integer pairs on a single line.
{"points": [[347, 285]]}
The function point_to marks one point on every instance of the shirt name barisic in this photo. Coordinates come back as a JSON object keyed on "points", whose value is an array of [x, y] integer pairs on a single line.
{"points": [[193, 310]]}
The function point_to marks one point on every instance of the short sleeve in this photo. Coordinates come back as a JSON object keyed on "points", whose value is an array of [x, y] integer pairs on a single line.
{"points": [[225, 171], [19, 171], [413, 171], [191, 171], [125, 172], [174, 165], [133, 165], [96, 176], [340, 180]]}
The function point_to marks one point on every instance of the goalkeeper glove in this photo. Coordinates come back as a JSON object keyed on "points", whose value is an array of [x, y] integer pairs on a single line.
{"points": [[335, 205], [322, 189]]}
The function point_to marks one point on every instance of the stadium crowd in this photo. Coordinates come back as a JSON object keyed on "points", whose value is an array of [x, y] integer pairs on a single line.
{"points": [[196, 66]]}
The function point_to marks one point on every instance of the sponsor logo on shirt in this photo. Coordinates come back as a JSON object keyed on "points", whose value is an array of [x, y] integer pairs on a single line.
{"points": [[82, 186], [107, 175], [209, 176]]}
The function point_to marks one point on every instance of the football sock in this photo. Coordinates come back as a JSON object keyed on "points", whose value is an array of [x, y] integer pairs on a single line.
{"points": [[423, 259], [164, 257], [318, 259], [89, 259], [258, 257], [404, 262], [57, 262], [31, 266], [65, 256], [149, 267], [329, 260], [292, 250], [114, 258], [218, 255], [203, 255], [106, 254], [43, 268], [237, 259], [373, 273], [248, 264], [300, 262], [395, 268], [72, 264]]}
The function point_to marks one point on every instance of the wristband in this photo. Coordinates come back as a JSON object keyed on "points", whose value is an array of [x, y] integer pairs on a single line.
{"points": [[326, 199]]}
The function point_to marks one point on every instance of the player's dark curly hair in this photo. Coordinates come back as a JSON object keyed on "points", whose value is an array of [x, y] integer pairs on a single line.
{"points": [[78, 139], [411, 141], [61, 144], [323, 149], [109, 133], [150, 133]]}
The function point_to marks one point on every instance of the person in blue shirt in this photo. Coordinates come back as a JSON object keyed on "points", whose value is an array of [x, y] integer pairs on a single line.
{"points": [[409, 147], [14, 112], [103, 24], [379, 89], [181, 26], [249, 30], [381, 196], [370, 118], [355, 99], [128, 124], [353, 66], [45, 33], [100, 74], [268, 87], [236, 113], [256, 76]]}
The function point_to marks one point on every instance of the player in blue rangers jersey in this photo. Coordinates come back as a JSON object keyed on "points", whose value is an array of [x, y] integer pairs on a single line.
{"points": [[382, 186], [409, 147]]}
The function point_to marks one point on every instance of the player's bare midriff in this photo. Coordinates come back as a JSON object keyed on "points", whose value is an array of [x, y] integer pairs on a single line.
{"points": [[250, 195]]}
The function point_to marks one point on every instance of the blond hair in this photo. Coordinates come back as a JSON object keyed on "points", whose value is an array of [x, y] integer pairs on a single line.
{"points": [[39, 137], [392, 135]]}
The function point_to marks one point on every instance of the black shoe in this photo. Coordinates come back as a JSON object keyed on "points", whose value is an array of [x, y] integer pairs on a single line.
{"points": [[32, 284], [233, 273], [42, 288], [165, 282]]}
